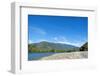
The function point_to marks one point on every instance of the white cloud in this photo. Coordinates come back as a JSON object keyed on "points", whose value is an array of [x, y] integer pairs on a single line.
{"points": [[60, 39], [38, 30], [64, 40]]}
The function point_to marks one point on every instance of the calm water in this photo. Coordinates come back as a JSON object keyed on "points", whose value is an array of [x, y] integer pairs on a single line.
{"points": [[35, 56]]}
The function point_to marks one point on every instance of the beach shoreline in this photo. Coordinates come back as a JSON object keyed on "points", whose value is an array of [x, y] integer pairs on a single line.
{"points": [[71, 55]]}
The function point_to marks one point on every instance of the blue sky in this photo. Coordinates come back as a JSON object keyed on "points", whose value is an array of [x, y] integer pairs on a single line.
{"points": [[58, 29]]}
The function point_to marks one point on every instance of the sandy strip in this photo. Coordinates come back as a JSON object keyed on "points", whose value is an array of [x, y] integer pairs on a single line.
{"points": [[72, 55]]}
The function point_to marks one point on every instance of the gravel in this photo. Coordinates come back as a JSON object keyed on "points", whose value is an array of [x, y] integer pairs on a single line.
{"points": [[72, 55]]}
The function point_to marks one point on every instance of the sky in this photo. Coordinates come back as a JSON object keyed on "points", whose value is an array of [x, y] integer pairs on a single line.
{"points": [[71, 30]]}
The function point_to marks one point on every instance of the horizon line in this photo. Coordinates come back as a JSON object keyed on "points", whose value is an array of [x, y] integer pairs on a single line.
{"points": [[58, 42]]}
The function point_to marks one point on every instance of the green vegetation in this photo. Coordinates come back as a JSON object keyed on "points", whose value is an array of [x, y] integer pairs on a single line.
{"points": [[44, 47], [84, 47], [35, 49]]}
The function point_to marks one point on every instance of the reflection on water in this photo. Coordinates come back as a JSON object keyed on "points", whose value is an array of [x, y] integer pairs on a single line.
{"points": [[35, 56]]}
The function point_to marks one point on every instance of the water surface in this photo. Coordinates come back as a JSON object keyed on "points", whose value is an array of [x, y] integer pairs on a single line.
{"points": [[36, 56]]}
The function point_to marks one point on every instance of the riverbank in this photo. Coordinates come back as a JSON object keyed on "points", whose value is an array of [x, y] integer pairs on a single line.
{"points": [[72, 55]]}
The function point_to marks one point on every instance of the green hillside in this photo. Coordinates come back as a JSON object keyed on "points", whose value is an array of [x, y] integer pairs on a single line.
{"points": [[51, 47], [84, 47]]}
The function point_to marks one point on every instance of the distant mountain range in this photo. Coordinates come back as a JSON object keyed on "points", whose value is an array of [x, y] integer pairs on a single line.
{"points": [[49, 46], [56, 46]]}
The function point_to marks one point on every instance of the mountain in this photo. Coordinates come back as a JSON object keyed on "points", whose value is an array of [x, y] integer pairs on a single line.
{"points": [[84, 47], [49, 46]]}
